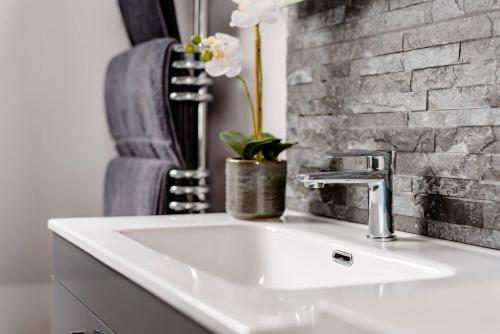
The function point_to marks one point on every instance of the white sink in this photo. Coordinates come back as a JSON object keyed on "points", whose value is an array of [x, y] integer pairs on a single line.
{"points": [[236, 277], [275, 258]]}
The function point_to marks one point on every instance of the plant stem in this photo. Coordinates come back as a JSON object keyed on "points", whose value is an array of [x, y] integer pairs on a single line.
{"points": [[250, 103], [258, 82], [258, 87]]}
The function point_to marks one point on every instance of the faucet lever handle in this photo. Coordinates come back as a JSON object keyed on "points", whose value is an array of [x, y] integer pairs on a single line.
{"points": [[376, 160]]}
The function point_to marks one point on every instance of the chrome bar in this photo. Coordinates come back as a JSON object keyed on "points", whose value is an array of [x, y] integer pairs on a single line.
{"points": [[192, 81], [189, 190], [188, 65], [190, 96], [188, 206], [189, 174]]}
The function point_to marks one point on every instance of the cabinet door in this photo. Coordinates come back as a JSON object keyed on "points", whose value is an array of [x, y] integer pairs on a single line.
{"points": [[70, 316]]}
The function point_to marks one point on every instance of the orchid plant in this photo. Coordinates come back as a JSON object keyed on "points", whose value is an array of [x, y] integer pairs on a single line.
{"points": [[223, 55]]}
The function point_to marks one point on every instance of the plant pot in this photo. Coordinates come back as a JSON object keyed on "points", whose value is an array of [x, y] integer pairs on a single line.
{"points": [[255, 190]]}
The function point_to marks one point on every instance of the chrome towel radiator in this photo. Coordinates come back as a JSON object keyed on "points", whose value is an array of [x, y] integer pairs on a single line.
{"points": [[194, 188]]}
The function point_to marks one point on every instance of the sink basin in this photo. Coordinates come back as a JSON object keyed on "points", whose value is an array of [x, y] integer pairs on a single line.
{"points": [[277, 258]]}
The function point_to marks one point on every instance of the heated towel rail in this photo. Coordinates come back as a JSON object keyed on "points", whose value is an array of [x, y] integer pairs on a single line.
{"points": [[195, 187]]}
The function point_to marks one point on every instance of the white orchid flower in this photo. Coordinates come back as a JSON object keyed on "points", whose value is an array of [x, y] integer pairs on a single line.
{"points": [[253, 12], [226, 55]]}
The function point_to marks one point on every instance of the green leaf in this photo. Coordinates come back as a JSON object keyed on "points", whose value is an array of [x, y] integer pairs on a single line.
{"points": [[254, 146], [271, 152], [236, 140]]}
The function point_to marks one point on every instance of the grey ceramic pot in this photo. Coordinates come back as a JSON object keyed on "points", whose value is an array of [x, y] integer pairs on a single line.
{"points": [[255, 190]]}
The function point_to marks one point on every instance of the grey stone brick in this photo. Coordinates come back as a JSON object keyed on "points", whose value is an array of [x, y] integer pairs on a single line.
{"points": [[407, 204], [455, 188], [397, 62], [456, 76], [378, 65], [465, 97], [464, 140], [392, 102], [397, 4], [410, 225], [330, 17], [323, 36], [448, 32], [327, 72], [377, 45], [363, 8], [480, 50], [299, 77], [465, 234], [455, 118], [455, 211], [447, 9], [430, 57], [453, 165], [383, 83], [394, 20], [363, 121], [495, 21], [401, 183], [481, 5]]}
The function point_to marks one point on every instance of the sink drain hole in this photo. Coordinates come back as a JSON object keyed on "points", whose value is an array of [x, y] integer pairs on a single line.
{"points": [[342, 258]]}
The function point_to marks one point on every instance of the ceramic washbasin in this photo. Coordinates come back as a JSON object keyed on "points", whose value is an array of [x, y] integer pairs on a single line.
{"points": [[278, 257]]}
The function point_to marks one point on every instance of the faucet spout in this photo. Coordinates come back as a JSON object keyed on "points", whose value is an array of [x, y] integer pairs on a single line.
{"points": [[379, 193]]}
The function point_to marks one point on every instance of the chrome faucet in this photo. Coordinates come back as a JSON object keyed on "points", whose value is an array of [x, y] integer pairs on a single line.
{"points": [[377, 177]]}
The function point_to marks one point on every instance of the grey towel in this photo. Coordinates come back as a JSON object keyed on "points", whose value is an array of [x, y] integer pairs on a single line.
{"points": [[136, 187], [149, 19], [137, 107]]}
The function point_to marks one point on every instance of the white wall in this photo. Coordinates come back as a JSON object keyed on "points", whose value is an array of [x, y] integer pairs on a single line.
{"points": [[54, 142]]}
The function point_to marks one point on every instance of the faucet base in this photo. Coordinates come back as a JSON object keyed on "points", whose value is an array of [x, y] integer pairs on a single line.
{"points": [[382, 239]]}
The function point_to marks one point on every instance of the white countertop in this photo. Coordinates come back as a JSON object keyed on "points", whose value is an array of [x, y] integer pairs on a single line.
{"points": [[466, 301]]}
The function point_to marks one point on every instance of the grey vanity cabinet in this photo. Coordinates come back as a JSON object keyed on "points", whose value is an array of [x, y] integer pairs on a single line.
{"points": [[72, 317], [91, 298]]}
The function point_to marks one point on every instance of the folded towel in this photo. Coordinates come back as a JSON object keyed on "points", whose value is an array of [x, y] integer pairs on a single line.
{"points": [[136, 95], [136, 187], [149, 19]]}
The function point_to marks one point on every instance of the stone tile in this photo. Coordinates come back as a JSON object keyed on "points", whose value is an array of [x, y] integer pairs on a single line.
{"points": [[481, 50], [362, 121], [464, 140], [448, 32], [454, 118], [407, 204], [458, 188], [340, 212], [463, 75], [392, 102], [481, 5], [495, 20], [323, 36], [394, 20], [378, 65], [382, 83], [465, 234], [410, 225], [330, 17], [463, 98], [447, 9], [327, 72], [401, 183], [397, 4], [299, 77], [377, 45], [431, 57], [450, 165], [363, 8], [455, 211]]}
